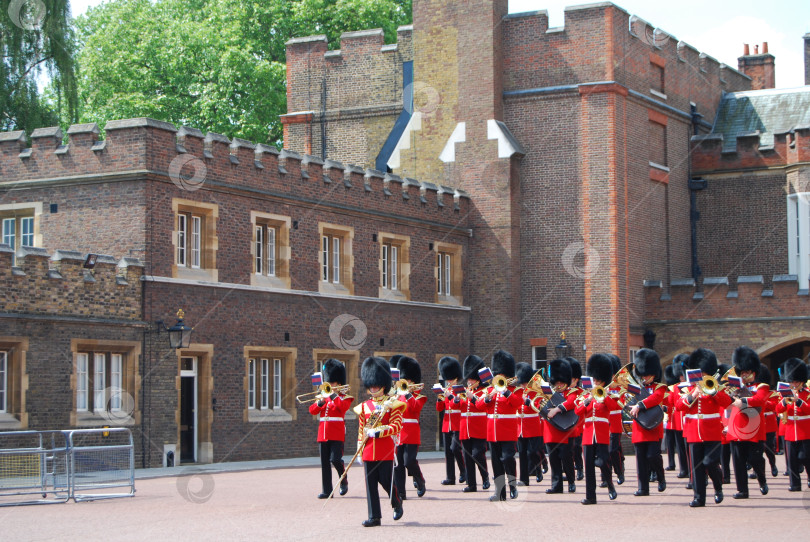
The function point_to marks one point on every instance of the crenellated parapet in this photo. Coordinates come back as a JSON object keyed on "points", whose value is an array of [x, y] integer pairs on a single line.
{"points": [[68, 283], [143, 148], [749, 296], [711, 153]]}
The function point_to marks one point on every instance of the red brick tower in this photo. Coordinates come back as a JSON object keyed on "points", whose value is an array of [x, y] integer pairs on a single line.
{"points": [[759, 67]]}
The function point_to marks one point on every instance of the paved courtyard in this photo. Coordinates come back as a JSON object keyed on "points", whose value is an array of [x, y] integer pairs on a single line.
{"points": [[276, 501]]}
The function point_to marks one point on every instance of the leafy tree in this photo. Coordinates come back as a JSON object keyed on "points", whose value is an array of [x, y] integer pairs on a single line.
{"points": [[214, 65], [36, 40]]}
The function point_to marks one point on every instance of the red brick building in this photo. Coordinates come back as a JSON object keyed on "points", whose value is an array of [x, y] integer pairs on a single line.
{"points": [[510, 182]]}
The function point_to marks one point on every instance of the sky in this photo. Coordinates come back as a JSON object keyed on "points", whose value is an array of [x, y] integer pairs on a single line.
{"points": [[718, 28]]}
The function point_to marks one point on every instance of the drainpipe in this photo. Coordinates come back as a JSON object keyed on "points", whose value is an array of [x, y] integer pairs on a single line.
{"points": [[695, 185]]}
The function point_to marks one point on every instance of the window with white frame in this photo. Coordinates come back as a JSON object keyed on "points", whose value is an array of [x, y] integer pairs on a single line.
{"points": [[266, 383], [99, 382], [265, 252], [3, 381], [448, 273], [189, 240], [444, 263], [330, 258], [195, 240], [798, 216], [277, 383], [270, 381], [539, 357], [335, 259], [252, 383], [390, 266]]}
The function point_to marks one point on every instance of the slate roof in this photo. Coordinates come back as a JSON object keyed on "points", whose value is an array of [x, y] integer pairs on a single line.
{"points": [[770, 112]]}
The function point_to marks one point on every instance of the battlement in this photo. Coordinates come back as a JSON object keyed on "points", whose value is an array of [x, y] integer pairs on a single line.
{"points": [[143, 147], [719, 298], [356, 43], [711, 154], [68, 283]]}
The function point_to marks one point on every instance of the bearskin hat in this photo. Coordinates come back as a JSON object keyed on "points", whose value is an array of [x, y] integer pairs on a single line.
{"points": [[394, 361], [409, 369], [679, 365], [503, 364], [376, 372], [576, 367], [600, 367], [615, 362], [669, 375], [647, 363], [703, 359], [334, 371], [794, 370], [472, 364], [523, 372], [764, 374], [559, 371], [449, 368], [745, 359]]}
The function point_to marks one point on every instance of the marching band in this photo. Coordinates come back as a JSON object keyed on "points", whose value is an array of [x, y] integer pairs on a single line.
{"points": [[511, 409]]}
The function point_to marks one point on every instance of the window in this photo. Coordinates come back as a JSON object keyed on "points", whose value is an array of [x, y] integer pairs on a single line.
{"points": [[657, 72], [195, 240], [798, 215], [105, 382], [270, 384], [394, 266], [3, 382], [17, 231], [448, 273], [270, 250], [390, 267], [539, 357], [13, 383], [657, 142], [265, 263], [335, 259]]}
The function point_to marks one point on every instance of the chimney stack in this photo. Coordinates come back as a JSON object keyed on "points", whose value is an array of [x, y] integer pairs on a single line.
{"points": [[760, 66], [807, 59]]}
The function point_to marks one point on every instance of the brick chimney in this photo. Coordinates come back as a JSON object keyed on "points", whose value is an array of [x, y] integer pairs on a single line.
{"points": [[759, 66], [807, 59]]}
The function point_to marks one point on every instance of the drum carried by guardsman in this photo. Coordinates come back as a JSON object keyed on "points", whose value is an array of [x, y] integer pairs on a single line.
{"points": [[448, 402], [795, 405], [503, 400], [473, 433], [380, 420], [746, 427], [530, 437], [411, 436], [331, 409]]}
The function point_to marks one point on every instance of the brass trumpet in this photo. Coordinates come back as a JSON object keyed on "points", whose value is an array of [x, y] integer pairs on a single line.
{"points": [[323, 391], [403, 387], [709, 385], [500, 383]]}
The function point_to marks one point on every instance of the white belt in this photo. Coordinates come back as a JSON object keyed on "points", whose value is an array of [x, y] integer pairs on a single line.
{"points": [[614, 412], [595, 419], [770, 413], [410, 420], [468, 414], [535, 415], [331, 419], [501, 416], [701, 416], [798, 418]]}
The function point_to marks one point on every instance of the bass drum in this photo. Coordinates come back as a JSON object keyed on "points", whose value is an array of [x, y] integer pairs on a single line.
{"points": [[564, 421]]}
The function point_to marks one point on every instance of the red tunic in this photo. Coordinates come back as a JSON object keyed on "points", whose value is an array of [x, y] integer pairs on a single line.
{"points": [[596, 420], [702, 422], [553, 435], [531, 423], [615, 414], [331, 425], [411, 433], [769, 414], [578, 428], [381, 447], [657, 394], [473, 416], [797, 426], [452, 413], [502, 420], [747, 423]]}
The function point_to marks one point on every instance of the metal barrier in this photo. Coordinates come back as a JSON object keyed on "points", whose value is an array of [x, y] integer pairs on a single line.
{"points": [[102, 461], [44, 467], [34, 468]]}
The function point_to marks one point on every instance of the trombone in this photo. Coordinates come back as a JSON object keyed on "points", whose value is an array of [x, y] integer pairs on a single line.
{"points": [[323, 391], [500, 383], [709, 385], [403, 387]]}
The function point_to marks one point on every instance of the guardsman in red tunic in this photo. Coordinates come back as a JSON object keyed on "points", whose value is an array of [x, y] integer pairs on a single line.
{"points": [[380, 422], [502, 425], [473, 433], [576, 438], [797, 426], [411, 436], [331, 427], [769, 420], [560, 458], [530, 436], [703, 428], [595, 413], [647, 442], [616, 429], [746, 427], [677, 415], [450, 372]]}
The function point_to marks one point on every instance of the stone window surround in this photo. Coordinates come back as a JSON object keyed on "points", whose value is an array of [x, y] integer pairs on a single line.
{"points": [[456, 273], [208, 246], [283, 250], [346, 235], [288, 411], [403, 243], [16, 416]]}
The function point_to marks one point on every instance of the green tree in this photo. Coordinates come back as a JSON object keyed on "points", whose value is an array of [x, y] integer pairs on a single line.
{"points": [[36, 41], [214, 65]]}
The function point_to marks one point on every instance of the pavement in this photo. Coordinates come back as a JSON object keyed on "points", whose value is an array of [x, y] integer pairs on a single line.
{"points": [[276, 500]]}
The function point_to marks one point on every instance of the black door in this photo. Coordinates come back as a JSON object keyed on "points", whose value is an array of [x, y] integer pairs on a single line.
{"points": [[187, 419]]}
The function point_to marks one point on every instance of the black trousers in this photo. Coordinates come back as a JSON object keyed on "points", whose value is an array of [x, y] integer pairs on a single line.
{"points": [[769, 447], [560, 459], [530, 456], [331, 452], [502, 455], [680, 444], [798, 454], [406, 460], [616, 454], [596, 455], [475, 450], [676, 445], [576, 450], [380, 473], [725, 461], [452, 451], [705, 459], [648, 459], [743, 453]]}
